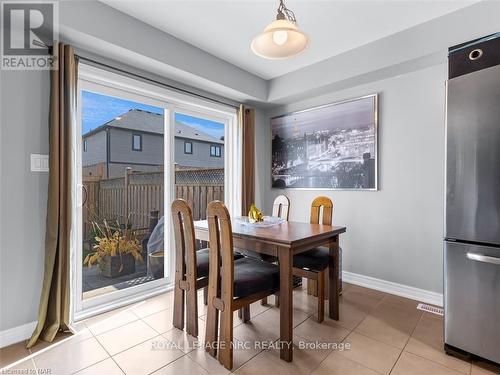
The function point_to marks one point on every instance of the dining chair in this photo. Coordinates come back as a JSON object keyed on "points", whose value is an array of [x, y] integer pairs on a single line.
{"points": [[191, 268], [281, 207], [233, 284], [313, 264]]}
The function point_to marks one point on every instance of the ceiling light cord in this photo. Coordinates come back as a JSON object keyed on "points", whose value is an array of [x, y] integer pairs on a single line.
{"points": [[285, 13]]}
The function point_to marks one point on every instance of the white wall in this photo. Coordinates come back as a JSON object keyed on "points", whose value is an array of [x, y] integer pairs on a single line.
{"points": [[23, 198], [394, 234]]}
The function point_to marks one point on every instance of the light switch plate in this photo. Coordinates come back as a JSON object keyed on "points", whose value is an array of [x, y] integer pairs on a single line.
{"points": [[39, 163]]}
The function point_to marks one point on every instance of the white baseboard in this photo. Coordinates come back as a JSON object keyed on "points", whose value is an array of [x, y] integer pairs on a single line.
{"points": [[401, 290], [16, 334]]}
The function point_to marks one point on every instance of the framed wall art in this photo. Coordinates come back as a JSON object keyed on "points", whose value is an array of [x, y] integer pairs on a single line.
{"points": [[328, 147]]}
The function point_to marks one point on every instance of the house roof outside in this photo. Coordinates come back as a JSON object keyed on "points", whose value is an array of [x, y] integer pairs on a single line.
{"points": [[145, 121]]}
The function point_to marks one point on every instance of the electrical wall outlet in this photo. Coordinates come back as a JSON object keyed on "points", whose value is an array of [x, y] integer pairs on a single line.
{"points": [[39, 163]]}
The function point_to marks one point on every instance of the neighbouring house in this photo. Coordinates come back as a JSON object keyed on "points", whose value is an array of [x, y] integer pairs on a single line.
{"points": [[135, 139]]}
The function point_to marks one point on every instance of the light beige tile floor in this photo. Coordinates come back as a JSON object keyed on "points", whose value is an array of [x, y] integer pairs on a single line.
{"points": [[377, 334]]}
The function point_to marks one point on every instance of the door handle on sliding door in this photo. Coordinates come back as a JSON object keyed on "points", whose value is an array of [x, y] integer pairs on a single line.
{"points": [[483, 258], [85, 195]]}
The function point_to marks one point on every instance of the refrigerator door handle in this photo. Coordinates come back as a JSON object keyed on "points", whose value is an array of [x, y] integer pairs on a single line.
{"points": [[483, 258]]}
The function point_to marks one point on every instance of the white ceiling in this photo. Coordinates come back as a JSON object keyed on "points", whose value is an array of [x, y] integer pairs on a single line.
{"points": [[225, 28]]}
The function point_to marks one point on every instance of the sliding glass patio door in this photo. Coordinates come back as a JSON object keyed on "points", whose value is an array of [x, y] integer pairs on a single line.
{"points": [[137, 147], [199, 160], [122, 174]]}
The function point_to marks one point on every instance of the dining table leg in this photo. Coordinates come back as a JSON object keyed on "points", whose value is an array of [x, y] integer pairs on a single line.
{"points": [[286, 303], [333, 279]]}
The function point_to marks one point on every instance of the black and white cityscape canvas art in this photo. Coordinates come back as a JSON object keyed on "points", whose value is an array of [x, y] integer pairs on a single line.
{"points": [[328, 147]]}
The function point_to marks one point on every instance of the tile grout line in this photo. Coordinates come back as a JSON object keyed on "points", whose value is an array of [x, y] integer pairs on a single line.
{"points": [[34, 364], [413, 331], [431, 360], [324, 359], [131, 310], [353, 331], [263, 350], [175, 360], [142, 342], [380, 342], [169, 363], [138, 319], [32, 355], [133, 346], [109, 330], [406, 343], [353, 360], [365, 335], [440, 364], [93, 364], [161, 334], [308, 315], [148, 315], [127, 308], [333, 351], [102, 346], [163, 337], [150, 326]]}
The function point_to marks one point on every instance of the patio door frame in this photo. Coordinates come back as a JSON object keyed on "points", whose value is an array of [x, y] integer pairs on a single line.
{"points": [[91, 78]]}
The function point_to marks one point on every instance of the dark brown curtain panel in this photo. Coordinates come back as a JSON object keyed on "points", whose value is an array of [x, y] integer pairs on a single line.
{"points": [[53, 313], [246, 117]]}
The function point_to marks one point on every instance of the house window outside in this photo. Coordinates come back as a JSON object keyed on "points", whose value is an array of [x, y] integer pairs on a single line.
{"points": [[188, 147], [136, 142], [85, 145], [215, 151]]}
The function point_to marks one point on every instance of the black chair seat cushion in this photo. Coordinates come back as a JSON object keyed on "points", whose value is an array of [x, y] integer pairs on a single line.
{"points": [[256, 255], [313, 260], [253, 276], [202, 261]]}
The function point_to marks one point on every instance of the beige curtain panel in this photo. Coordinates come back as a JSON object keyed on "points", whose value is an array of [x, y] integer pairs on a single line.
{"points": [[53, 313], [246, 117]]}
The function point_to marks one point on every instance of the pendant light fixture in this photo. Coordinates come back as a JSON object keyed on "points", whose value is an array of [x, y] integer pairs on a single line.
{"points": [[281, 38]]}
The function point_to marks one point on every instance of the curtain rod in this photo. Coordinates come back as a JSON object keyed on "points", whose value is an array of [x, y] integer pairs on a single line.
{"points": [[184, 91]]}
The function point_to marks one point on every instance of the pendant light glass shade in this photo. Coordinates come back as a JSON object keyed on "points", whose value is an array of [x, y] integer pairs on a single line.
{"points": [[279, 40]]}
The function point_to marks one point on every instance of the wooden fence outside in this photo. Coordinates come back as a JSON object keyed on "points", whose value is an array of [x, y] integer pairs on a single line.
{"points": [[137, 194]]}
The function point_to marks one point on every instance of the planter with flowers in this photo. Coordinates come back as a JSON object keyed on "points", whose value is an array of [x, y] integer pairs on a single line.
{"points": [[116, 250]]}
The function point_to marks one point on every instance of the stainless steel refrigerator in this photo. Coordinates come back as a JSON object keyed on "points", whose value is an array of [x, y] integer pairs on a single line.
{"points": [[472, 228]]}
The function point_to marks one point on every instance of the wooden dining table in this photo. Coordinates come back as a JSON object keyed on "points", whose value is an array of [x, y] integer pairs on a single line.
{"points": [[283, 241]]}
